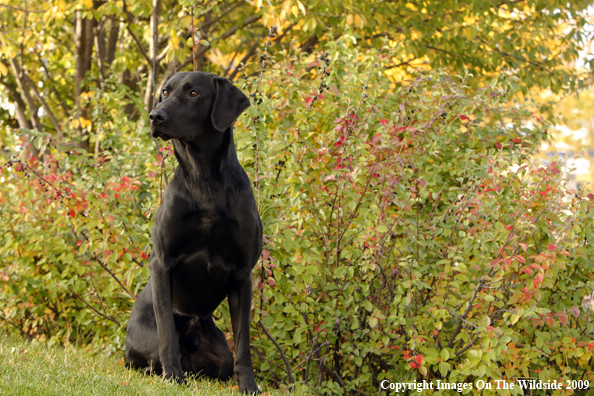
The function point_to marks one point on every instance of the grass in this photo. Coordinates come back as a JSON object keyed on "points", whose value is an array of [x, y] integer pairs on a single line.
{"points": [[33, 368]]}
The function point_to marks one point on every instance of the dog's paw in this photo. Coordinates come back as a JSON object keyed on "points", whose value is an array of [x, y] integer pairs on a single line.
{"points": [[178, 377], [250, 389]]}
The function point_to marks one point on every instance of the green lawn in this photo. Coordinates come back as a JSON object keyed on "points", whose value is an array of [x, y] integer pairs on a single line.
{"points": [[36, 369]]}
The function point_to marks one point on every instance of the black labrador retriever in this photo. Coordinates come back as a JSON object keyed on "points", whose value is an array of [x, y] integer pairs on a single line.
{"points": [[207, 237]]}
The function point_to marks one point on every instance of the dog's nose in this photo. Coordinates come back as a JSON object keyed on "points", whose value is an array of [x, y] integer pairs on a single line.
{"points": [[157, 116]]}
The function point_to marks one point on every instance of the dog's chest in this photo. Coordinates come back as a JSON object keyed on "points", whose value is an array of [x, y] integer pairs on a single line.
{"points": [[217, 234]]}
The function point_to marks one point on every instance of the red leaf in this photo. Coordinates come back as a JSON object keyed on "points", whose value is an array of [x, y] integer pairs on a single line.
{"points": [[552, 247], [271, 281], [575, 311], [562, 317], [517, 140], [521, 259], [463, 118], [71, 213], [265, 254], [498, 145], [383, 121]]}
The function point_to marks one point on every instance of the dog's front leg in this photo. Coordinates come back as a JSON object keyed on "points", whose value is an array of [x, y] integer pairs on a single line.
{"points": [[240, 305], [169, 354]]}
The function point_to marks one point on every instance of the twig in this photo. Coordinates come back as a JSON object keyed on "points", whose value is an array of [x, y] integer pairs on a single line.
{"points": [[478, 287], [280, 350], [471, 343], [111, 273], [93, 308]]}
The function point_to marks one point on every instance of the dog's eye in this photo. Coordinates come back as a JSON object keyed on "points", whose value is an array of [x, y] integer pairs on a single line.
{"points": [[194, 93], [165, 93]]}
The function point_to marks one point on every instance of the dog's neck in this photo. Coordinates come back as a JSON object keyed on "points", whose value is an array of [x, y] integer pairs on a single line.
{"points": [[208, 158]]}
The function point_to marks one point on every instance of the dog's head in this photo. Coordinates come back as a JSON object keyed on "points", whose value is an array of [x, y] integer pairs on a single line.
{"points": [[193, 103]]}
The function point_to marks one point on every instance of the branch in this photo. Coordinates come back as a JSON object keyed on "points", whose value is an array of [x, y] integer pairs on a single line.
{"points": [[401, 64], [225, 13], [53, 85], [251, 51], [230, 32], [22, 9], [49, 112], [282, 353], [93, 308], [535, 64], [136, 40], [19, 104], [265, 358], [18, 74], [478, 287], [138, 44], [471, 343], [112, 274], [333, 373]]}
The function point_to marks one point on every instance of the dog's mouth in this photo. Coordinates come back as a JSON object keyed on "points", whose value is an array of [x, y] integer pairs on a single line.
{"points": [[157, 133]]}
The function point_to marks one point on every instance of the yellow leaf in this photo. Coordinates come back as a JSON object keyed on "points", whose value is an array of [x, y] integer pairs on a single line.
{"points": [[174, 39], [301, 7], [84, 122], [3, 70], [88, 3], [411, 6]]}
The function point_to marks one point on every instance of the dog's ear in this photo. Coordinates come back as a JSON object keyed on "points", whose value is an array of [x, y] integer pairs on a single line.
{"points": [[229, 103]]}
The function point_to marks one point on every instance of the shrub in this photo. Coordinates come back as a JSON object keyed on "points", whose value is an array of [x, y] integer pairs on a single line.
{"points": [[408, 236]]}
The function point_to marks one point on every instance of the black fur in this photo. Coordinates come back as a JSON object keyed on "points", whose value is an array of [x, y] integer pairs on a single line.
{"points": [[207, 237]]}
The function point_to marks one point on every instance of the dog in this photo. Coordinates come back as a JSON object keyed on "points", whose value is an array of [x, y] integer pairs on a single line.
{"points": [[207, 237]]}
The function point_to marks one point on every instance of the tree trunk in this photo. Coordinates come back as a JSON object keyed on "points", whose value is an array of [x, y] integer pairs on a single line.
{"points": [[21, 108], [83, 41], [22, 84], [19, 105], [154, 66], [114, 33]]}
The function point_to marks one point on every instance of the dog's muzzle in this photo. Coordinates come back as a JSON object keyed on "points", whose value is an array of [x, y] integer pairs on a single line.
{"points": [[157, 116]]}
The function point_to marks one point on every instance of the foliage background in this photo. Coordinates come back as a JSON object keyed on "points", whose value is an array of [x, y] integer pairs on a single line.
{"points": [[408, 233]]}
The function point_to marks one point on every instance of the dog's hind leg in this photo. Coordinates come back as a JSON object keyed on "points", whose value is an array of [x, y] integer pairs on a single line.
{"points": [[205, 351], [142, 341]]}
